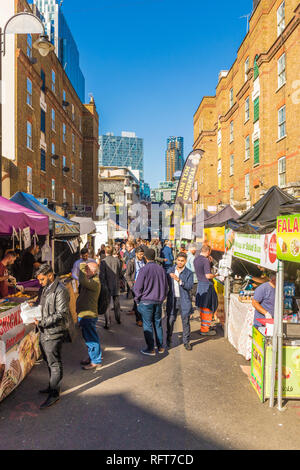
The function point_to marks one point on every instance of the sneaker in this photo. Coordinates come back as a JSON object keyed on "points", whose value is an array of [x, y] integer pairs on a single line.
{"points": [[161, 350], [86, 362], [92, 366], [188, 346], [148, 352], [208, 333]]}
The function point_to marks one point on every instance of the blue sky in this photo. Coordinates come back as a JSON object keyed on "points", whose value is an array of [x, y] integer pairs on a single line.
{"points": [[148, 63]]}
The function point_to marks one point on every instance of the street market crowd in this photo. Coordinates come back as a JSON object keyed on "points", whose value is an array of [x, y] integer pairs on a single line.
{"points": [[152, 274]]}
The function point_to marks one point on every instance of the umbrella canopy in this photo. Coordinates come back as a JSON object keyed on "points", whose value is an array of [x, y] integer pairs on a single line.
{"points": [[13, 215], [86, 225], [58, 224], [222, 217], [261, 218]]}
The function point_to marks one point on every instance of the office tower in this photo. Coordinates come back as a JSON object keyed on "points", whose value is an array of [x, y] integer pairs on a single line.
{"points": [[174, 157], [65, 46], [125, 150]]}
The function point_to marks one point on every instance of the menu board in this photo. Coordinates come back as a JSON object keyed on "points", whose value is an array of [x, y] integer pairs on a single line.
{"points": [[288, 238]]}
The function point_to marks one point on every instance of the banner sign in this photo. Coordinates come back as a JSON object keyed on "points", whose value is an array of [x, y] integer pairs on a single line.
{"points": [[257, 249], [61, 228], [186, 183], [258, 363], [215, 238], [288, 238], [290, 372]]}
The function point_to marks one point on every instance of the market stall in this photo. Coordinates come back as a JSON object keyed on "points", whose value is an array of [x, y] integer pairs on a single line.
{"points": [[250, 243], [19, 345]]}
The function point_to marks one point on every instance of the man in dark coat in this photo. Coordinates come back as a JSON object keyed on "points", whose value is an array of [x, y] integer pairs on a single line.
{"points": [[132, 271], [54, 300], [181, 282], [110, 276]]}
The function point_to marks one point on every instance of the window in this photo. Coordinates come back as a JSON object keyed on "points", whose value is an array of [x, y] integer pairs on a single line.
{"points": [[53, 189], [247, 186], [64, 195], [73, 200], [73, 172], [231, 97], [29, 135], [231, 165], [282, 172], [281, 71], [29, 92], [256, 69], [281, 123], [53, 153], [53, 78], [43, 160], [64, 98], [256, 109], [43, 121], [80, 176], [64, 164], [247, 109], [53, 119], [73, 112], [29, 46], [231, 132], [256, 152], [231, 194], [64, 133], [73, 143], [80, 123], [246, 68], [29, 180], [43, 77], [247, 147], [281, 18]]}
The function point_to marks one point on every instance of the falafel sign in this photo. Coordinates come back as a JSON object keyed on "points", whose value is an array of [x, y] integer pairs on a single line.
{"points": [[288, 238], [186, 183]]}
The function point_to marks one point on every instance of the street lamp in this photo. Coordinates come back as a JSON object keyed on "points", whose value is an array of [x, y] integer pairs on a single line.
{"points": [[21, 23]]}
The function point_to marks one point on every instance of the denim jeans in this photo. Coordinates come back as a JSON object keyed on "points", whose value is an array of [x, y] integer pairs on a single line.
{"points": [[151, 316], [91, 338]]}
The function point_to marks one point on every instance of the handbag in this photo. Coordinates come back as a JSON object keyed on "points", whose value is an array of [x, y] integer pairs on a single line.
{"points": [[71, 330]]}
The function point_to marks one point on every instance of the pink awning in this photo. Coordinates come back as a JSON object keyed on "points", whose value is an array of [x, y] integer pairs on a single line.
{"points": [[14, 215]]}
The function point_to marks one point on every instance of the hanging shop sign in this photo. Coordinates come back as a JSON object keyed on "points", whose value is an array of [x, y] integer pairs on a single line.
{"points": [[215, 238], [61, 228], [288, 238], [257, 249]]}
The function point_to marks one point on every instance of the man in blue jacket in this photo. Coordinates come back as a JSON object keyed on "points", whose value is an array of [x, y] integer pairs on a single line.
{"points": [[181, 281], [167, 254], [150, 290]]}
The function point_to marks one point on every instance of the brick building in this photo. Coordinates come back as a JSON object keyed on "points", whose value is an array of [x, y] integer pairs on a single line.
{"points": [[249, 130], [50, 138]]}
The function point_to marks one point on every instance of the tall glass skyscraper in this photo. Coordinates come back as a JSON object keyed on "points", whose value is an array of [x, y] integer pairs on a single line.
{"points": [[125, 150], [174, 157], [65, 46]]}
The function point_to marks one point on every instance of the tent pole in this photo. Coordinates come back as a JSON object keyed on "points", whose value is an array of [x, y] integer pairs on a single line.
{"points": [[226, 304], [280, 331], [274, 343]]}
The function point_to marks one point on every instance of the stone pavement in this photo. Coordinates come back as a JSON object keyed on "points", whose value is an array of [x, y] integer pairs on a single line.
{"points": [[180, 400]]}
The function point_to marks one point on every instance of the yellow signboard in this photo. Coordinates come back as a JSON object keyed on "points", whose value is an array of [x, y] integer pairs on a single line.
{"points": [[215, 238]]}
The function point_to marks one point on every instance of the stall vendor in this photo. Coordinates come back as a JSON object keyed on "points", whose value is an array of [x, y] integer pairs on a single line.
{"points": [[264, 300], [28, 264], [258, 280], [8, 260]]}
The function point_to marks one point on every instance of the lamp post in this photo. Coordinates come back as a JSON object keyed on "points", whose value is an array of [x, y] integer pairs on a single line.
{"points": [[21, 23]]}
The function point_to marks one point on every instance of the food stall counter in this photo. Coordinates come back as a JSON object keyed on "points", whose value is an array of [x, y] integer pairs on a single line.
{"points": [[241, 318]]}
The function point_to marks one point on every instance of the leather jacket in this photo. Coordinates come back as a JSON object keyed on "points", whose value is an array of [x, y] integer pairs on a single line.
{"points": [[54, 301]]}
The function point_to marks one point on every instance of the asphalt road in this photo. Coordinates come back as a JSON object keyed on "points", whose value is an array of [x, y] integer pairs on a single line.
{"points": [[181, 400]]}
